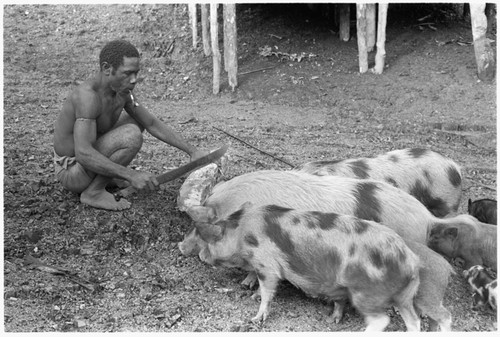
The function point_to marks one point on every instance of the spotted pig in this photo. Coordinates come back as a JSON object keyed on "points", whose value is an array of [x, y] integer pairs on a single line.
{"points": [[327, 255], [485, 210], [483, 287], [469, 239], [433, 179], [366, 199], [434, 273]]}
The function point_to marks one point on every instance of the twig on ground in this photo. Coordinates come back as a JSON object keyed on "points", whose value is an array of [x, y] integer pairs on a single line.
{"points": [[256, 70], [37, 264], [253, 147]]}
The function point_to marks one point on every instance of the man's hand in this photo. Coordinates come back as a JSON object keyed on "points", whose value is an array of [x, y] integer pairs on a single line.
{"points": [[143, 180]]}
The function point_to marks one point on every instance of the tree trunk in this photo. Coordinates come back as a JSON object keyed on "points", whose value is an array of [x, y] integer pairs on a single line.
{"points": [[382, 21], [344, 22], [485, 58], [214, 32], [230, 45], [361, 28], [205, 31], [193, 21]]}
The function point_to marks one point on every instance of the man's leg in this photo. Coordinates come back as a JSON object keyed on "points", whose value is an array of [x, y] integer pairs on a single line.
{"points": [[120, 145]]}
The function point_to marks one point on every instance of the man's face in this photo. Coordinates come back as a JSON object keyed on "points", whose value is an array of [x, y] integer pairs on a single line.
{"points": [[124, 78]]}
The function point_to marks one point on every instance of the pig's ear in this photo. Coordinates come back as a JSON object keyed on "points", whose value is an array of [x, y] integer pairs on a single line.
{"points": [[452, 232], [210, 233], [201, 214]]}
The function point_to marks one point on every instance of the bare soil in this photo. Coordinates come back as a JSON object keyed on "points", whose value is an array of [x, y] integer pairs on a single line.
{"points": [[122, 271]]}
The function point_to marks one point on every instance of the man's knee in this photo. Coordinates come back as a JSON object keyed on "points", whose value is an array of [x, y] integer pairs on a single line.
{"points": [[132, 135]]}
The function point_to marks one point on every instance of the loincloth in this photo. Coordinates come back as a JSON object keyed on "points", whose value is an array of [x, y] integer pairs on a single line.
{"points": [[70, 173], [63, 162]]}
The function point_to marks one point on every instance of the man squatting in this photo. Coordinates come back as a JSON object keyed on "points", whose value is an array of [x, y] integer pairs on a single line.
{"points": [[95, 140]]}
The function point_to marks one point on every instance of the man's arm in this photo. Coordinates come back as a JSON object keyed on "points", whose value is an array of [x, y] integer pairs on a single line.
{"points": [[160, 130], [85, 136]]}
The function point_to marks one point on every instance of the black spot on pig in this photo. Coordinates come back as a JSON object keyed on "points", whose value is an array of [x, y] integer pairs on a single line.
{"points": [[417, 153], [360, 226], [436, 206], [376, 257], [454, 176], [352, 250], [296, 220], [367, 204], [251, 240], [392, 182], [326, 260], [325, 221], [360, 168], [277, 235]]}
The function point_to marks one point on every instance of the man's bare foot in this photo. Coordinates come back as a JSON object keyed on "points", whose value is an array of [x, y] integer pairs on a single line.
{"points": [[103, 199]]}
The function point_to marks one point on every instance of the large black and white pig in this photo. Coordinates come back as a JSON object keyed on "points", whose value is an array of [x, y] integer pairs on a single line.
{"points": [[327, 255], [433, 179]]}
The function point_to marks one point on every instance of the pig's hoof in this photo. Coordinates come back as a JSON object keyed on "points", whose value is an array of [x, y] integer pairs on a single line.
{"points": [[250, 281], [255, 296]]}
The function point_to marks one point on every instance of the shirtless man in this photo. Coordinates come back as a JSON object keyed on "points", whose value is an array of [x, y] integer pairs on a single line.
{"points": [[95, 140]]}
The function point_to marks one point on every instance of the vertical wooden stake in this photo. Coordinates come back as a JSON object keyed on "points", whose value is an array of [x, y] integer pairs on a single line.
{"points": [[382, 22], [192, 20], [361, 28], [214, 33], [230, 45], [344, 22], [205, 30], [485, 59], [371, 29]]}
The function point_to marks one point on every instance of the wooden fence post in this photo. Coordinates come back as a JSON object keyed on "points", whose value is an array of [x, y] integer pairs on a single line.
{"points": [[371, 26], [214, 33], [205, 32], [344, 22], [230, 45], [485, 59], [380, 56], [193, 21], [361, 28]]}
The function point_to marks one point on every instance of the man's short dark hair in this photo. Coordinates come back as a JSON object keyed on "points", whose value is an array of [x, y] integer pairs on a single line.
{"points": [[114, 51]]}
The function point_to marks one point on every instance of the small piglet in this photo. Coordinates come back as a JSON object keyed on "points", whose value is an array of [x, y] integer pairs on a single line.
{"points": [[484, 287], [327, 255], [473, 241], [485, 210]]}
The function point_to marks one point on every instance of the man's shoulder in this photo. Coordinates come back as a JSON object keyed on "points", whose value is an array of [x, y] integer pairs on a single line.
{"points": [[83, 91]]}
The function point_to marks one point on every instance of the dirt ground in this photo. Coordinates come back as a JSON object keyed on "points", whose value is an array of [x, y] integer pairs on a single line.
{"points": [[68, 267]]}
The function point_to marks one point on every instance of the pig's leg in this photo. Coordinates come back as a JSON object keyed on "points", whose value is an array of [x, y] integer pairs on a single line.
{"points": [[338, 310], [410, 317], [439, 316], [250, 280], [376, 321], [267, 287]]}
